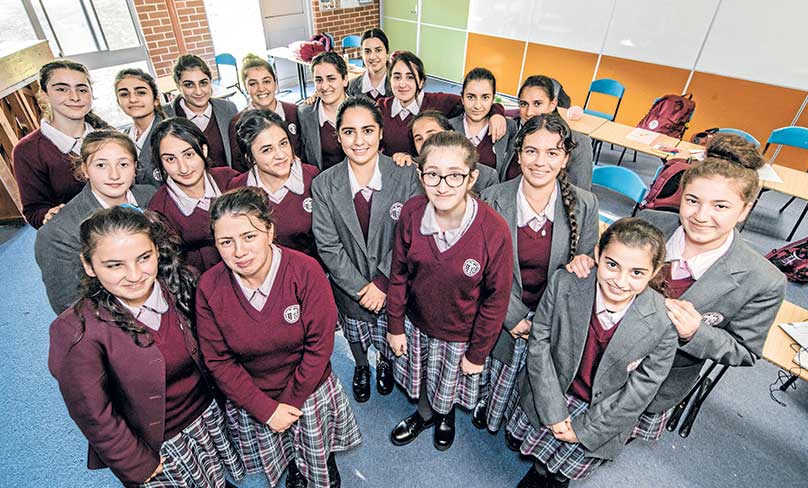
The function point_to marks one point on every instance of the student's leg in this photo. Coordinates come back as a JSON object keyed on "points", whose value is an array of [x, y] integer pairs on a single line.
{"points": [[361, 377], [424, 417]]}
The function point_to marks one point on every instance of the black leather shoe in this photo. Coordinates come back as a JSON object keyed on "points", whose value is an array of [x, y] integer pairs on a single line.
{"points": [[512, 442], [384, 376], [294, 478], [408, 429], [479, 416], [533, 479], [361, 383], [334, 480], [444, 431]]}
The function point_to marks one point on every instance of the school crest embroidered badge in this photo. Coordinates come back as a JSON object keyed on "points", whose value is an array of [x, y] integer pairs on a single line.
{"points": [[712, 318], [292, 129], [307, 205], [471, 267], [291, 314], [395, 210]]}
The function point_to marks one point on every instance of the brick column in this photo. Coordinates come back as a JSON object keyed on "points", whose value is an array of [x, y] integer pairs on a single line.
{"points": [[342, 22]]}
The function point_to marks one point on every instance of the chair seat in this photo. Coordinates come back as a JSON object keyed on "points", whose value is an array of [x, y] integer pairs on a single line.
{"points": [[357, 62], [602, 115]]}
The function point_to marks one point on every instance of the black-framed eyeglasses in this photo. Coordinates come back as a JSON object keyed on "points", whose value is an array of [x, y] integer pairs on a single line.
{"points": [[453, 180]]}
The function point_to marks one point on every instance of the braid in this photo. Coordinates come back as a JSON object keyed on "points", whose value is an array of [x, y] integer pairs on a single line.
{"points": [[96, 122], [568, 197], [174, 274]]}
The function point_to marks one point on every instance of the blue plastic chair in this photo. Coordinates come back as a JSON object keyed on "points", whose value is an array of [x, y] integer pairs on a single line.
{"points": [[620, 180], [227, 59], [352, 41], [794, 136], [609, 87], [738, 132]]}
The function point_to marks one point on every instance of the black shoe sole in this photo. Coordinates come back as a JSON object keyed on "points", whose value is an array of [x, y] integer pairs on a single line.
{"points": [[427, 425]]}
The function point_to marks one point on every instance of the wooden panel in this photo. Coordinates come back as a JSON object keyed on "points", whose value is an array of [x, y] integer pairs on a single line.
{"points": [[779, 347], [573, 69], [20, 63], [501, 56]]}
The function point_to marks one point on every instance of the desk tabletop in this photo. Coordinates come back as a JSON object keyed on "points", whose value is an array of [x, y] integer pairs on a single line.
{"points": [[795, 182], [778, 347], [283, 52], [585, 125], [615, 133]]}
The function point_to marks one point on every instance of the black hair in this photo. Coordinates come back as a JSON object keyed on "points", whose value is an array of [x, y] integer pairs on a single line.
{"points": [[253, 122], [635, 233], [412, 62], [188, 62], [359, 101], [435, 115], [478, 74], [539, 81], [376, 34], [331, 57], [249, 201], [181, 128], [145, 78]]}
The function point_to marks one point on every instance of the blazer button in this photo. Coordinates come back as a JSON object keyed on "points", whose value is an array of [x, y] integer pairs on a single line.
{"points": [[597, 395], [193, 350]]}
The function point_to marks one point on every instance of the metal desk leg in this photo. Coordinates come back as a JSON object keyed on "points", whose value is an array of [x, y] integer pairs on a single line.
{"points": [[788, 383], [676, 415], [799, 221], [708, 386], [301, 80]]}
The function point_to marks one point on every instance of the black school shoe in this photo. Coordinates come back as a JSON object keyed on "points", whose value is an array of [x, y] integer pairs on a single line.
{"points": [[445, 431], [408, 429], [334, 480], [384, 376], [294, 478], [512, 442], [479, 416], [533, 479], [361, 384]]}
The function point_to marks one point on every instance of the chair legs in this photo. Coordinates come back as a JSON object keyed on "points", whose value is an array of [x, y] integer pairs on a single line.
{"points": [[621, 156], [799, 221], [698, 394], [784, 207]]}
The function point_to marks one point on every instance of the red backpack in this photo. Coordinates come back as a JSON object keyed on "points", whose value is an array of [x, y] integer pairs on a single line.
{"points": [[317, 44], [792, 260], [665, 193], [669, 115]]}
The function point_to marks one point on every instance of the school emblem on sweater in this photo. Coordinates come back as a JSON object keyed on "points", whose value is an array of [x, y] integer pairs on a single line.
{"points": [[654, 124], [292, 129], [292, 313], [395, 210], [307, 205], [156, 174], [471, 267], [712, 318]]}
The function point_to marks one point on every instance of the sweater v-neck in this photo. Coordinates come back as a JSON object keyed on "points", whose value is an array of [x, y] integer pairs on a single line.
{"points": [[259, 315], [473, 230]]}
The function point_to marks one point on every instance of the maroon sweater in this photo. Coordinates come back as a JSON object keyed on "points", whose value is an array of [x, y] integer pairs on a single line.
{"points": [[533, 250], [485, 152], [44, 176], [330, 146], [675, 288], [514, 169], [597, 340], [290, 112], [216, 153], [459, 295], [280, 354]]}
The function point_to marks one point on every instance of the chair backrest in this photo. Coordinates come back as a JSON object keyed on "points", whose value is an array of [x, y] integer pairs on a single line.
{"points": [[620, 180], [793, 135], [351, 41], [226, 58], [608, 87], [738, 132]]}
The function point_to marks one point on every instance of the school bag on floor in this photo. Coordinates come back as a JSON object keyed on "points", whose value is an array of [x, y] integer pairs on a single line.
{"points": [[665, 193], [792, 260], [669, 115]]}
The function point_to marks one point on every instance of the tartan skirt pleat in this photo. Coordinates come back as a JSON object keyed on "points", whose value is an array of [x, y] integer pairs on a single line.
{"points": [[367, 333], [650, 426], [499, 385]]}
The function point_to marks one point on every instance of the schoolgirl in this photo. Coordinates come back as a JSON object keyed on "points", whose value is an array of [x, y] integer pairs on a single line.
{"points": [[127, 361], [195, 103], [266, 321], [726, 294], [259, 78], [43, 164], [189, 185], [374, 83], [598, 350], [450, 281], [356, 206], [552, 224], [137, 95], [318, 121], [107, 164]]}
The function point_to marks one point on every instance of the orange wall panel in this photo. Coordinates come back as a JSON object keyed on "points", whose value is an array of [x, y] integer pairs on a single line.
{"points": [[573, 69], [502, 56]]}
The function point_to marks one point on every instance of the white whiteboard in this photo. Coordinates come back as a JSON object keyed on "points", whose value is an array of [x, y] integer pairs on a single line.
{"points": [[572, 24], [508, 19]]}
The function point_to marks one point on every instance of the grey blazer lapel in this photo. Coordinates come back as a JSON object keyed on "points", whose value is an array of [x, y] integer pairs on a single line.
{"points": [[718, 281], [580, 301], [560, 247], [307, 117], [505, 205], [380, 206], [341, 192], [631, 332], [223, 123]]}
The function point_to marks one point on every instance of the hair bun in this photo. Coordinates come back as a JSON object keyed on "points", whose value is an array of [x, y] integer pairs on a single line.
{"points": [[735, 149]]}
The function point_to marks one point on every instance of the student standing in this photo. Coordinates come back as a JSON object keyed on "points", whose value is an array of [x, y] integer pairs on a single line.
{"points": [[127, 361], [356, 207], [42, 160], [449, 285], [374, 83], [189, 185], [108, 164], [195, 103], [599, 349], [266, 321]]}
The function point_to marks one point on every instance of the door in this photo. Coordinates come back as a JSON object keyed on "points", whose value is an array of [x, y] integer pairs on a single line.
{"points": [[285, 21]]}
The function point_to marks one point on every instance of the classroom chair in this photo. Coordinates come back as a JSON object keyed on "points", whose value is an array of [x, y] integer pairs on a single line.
{"points": [[794, 136], [608, 87], [619, 180], [695, 398], [352, 41], [227, 59], [738, 132]]}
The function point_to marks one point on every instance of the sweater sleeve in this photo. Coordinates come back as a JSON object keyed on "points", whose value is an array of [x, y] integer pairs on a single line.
{"points": [[399, 273], [34, 185]]}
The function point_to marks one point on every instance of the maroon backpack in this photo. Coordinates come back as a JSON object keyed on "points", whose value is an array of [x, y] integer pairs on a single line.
{"points": [[792, 260], [665, 193], [669, 115]]}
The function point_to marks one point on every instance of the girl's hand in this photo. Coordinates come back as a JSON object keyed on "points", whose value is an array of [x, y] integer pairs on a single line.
{"points": [[568, 435], [560, 427], [372, 298], [581, 265], [398, 343], [497, 126], [522, 329], [403, 159], [684, 316], [467, 367], [52, 213], [283, 418], [157, 470]]}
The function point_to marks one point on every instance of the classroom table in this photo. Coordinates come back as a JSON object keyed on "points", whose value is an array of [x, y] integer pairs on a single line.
{"points": [[615, 133], [287, 55], [780, 348], [795, 184], [585, 125]]}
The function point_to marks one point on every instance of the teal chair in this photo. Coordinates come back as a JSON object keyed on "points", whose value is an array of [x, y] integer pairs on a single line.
{"points": [[608, 87], [227, 59], [794, 136], [619, 180], [352, 41]]}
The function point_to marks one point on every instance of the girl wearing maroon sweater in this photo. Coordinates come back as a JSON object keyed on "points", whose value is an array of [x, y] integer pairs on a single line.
{"points": [[599, 349], [42, 159], [449, 285], [128, 364], [265, 141], [261, 83], [189, 185], [266, 327]]}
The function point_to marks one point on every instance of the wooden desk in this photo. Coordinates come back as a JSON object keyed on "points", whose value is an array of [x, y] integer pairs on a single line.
{"points": [[615, 133], [778, 347], [585, 125], [795, 182], [688, 149]]}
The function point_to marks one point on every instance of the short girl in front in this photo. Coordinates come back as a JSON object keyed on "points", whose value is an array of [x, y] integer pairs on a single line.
{"points": [[266, 321], [374, 83], [127, 360], [266, 142], [726, 294], [449, 286], [552, 224], [189, 185], [598, 350]]}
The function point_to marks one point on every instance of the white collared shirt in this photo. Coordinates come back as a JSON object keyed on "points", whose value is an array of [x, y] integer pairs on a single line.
{"points": [[65, 143], [375, 91], [375, 183], [200, 120], [323, 118], [130, 199], [445, 239], [294, 183], [413, 108], [477, 138], [187, 204], [278, 108], [694, 266], [606, 318], [152, 310], [140, 141], [525, 215], [258, 296]]}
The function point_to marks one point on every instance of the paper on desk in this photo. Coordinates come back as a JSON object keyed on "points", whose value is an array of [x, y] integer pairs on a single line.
{"points": [[798, 331], [642, 136], [801, 359], [767, 173]]}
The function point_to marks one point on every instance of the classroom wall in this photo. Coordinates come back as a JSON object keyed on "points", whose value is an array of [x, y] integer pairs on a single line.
{"points": [[342, 22]]}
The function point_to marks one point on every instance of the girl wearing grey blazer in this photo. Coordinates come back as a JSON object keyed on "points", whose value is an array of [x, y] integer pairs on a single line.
{"points": [[544, 240], [356, 205], [599, 349], [108, 164], [374, 83]]}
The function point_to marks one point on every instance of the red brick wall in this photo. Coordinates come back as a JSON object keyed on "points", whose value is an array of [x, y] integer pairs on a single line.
{"points": [[172, 28], [343, 22]]}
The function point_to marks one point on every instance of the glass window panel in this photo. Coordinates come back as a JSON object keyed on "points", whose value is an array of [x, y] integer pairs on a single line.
{"points": [[16, 25], [116, 22]]}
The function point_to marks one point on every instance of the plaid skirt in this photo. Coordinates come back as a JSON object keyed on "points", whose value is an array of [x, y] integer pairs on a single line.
{"points": [[327, 425], [558, 456], [367, 333], [199, 455], [438, 363], [650, 426], [499, 385]]}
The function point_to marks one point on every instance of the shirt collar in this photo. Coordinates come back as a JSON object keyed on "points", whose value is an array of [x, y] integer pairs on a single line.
{"points": [[130, 199], [699, 264], [609, 319], [414, 107], [278, 108], [258, 296], [140, 141], [200, 120], [375, 183], [65, 143], [294, 183], [367, 85], [525, 213], [187, 204], [477, 138], [447, 238], [322, 117], [152, 309]]}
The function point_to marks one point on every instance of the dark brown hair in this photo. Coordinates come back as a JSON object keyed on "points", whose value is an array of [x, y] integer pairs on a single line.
{"points": [[45, 73], [637, 233], [249, 201], [141, 75], [94, 141], [183, 129], [449, 139], [734, 158], [251, 123], [251, 61], [412, 62]]}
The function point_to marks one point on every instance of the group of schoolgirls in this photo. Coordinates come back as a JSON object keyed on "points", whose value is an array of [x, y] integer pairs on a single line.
{"points": [[498, 297]]}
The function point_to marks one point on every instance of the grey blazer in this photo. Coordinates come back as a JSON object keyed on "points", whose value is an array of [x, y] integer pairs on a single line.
{"points": [[500, 147], [355, 87], [580, 165], [487, 177], [738, 297], [310, 133], [632, 368], [351, 262], [224, 110], [147, 173], [57, 245], [502, 198]]}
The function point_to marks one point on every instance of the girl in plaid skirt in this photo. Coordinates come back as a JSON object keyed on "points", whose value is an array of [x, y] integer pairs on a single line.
{"points": [[449, 286], [128, 364]]}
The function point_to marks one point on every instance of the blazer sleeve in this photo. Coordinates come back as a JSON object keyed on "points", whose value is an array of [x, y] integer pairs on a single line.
{"points": [[59, 263], [741, 342], [580, 165], [34, 185], [589, 228], [399, 274], [80, 370]]}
